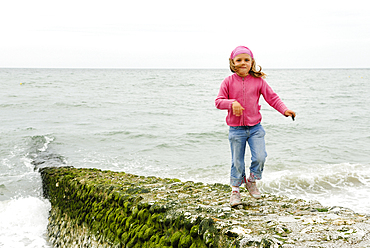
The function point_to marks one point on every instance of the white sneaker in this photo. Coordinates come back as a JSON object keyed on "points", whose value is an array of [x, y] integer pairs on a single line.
{"points": [[235, 198]]}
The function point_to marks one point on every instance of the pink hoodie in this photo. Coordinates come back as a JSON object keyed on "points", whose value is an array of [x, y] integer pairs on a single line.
{"points": [[247, 92]]}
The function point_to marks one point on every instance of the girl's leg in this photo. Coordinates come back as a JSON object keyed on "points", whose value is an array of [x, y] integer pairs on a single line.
{"points": [[256, 143], [238, 139]]}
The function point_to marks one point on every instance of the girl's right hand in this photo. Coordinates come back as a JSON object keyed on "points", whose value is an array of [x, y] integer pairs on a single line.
{"points": [[237, 108]]}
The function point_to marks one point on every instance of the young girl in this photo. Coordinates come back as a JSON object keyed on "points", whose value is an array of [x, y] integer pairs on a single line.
{"points": [[239, 94]]}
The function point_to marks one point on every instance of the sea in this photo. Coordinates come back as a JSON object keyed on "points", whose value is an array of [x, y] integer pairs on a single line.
{"points": [[163, 123]]}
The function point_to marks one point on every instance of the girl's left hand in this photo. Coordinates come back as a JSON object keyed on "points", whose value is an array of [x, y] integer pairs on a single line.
{"points": [[289, 113]]}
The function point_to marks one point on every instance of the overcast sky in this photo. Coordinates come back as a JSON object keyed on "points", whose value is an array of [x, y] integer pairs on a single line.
{"points": [[183, 34]]}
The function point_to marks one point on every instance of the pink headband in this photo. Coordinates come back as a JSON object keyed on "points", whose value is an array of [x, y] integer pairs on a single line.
{"points": [[239, 50]]}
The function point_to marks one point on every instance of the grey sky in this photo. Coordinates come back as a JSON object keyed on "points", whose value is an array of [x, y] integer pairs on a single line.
{"points": [[183, 34]]}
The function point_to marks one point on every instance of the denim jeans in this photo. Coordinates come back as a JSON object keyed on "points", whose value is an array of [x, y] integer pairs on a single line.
{"points": [[238, 137]]}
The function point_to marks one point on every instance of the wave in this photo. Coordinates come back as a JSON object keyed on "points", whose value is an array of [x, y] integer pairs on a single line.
{"points": [[23, 211], [344, 184], [83, 104], [214, 134], [38, 154], [22, 226]]}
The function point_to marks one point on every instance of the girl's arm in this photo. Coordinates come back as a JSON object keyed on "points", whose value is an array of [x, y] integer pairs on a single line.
{"points": [[274, 100], [222, 101]]}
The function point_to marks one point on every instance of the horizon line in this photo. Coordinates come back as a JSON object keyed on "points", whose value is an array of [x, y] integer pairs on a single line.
{"points": [[183, 68]]}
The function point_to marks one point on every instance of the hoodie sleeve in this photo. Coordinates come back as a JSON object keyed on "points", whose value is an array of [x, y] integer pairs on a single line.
{"points": [[272, 98], [222, 101]]}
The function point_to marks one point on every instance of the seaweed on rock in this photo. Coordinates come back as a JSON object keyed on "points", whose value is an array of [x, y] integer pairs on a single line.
{"points": [[95, 208]]}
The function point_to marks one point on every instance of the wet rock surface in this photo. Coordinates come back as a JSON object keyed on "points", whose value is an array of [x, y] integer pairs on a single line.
{"points": [[94, 208]]}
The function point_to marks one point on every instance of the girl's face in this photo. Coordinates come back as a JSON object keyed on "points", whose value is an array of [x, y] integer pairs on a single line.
{"points": [[243, 64]]}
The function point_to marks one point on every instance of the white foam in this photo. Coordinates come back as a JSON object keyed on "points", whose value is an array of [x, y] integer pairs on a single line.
{"points": [[23, 223], [46, 144], [345, 185]]}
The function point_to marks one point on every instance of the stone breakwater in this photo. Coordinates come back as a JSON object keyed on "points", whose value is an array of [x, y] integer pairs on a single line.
{"points": [[94, 208]]}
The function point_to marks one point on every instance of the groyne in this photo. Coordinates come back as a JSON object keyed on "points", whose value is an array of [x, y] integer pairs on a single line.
{"points": [[95, 208]]}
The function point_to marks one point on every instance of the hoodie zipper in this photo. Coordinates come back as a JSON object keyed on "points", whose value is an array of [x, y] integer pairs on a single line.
{"points": [[243, 100]]}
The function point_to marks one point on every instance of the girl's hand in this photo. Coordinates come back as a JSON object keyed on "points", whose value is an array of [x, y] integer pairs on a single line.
{"points": [[289, 113], [237, 108]]}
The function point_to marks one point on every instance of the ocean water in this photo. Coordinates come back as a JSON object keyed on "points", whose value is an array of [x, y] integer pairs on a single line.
{"points": [[164, 123]]}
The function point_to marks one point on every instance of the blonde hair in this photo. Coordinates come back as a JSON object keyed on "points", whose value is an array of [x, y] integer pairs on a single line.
{"points": [[253, 71]]}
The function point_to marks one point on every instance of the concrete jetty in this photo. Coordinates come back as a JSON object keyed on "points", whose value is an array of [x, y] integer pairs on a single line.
{"points": [[95, 208]]}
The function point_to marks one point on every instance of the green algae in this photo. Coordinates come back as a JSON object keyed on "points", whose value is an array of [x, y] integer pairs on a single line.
{"points": [[110, 206], [94, 208]]}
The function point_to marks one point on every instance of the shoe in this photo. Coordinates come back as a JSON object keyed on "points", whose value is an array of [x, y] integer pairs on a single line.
{"points": [[235, 199], [253, 190]]}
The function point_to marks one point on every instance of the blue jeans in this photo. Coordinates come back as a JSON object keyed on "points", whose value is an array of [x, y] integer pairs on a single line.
{"points": [[238, 137]]}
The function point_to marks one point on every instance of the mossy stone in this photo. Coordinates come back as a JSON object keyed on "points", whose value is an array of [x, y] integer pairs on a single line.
{"points": [[117, 242], [140, 214], [266, 243], [107, 214], [149, 220], [185, 241], [148, 233], [156, 208], [187, 224], [119, 219], [126, 206], [132, 242], [144, 205], [137, 229], [145, 215], [154, 217], [158, 225], [111, 236], [121, 201], [155, 238], [169, 231], [99, 217], [105, 232], [176, 238], [112, 227], [168, 241], [111, 217], [129, 220], [96, 226], [116, 196], [141, 231], [135, 224], [194, 231], [208, 238], [167, 221], [179, 221], [194, 245], [125, 237], [119, 232], [206, 224], [162, 241], [135, 211]]}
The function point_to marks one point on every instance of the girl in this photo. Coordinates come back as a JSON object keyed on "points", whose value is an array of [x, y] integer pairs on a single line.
{"points": [[239, 94]]}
